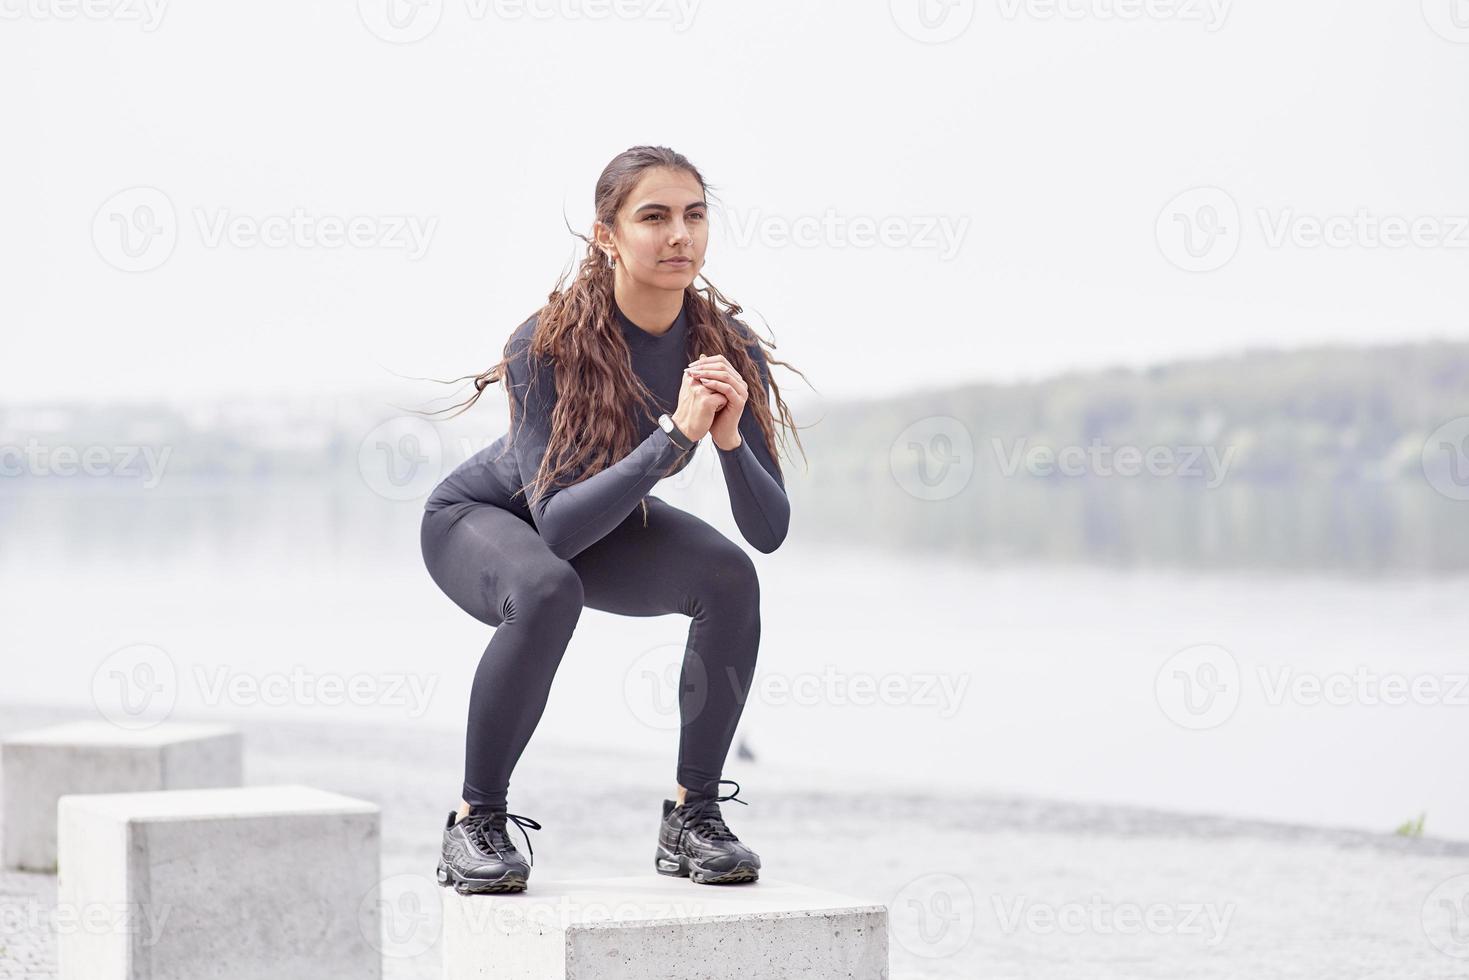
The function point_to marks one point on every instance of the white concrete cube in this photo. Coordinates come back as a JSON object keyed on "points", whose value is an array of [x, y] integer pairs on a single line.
{"points": [[249, 883], [652, 926], [38, 766]]}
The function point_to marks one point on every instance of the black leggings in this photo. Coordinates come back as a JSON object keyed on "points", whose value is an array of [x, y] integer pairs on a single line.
{"points": [[494, 565]]}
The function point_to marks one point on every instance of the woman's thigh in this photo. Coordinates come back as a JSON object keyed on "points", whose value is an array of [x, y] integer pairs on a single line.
{"points": [[666, 567], [482, 556]]}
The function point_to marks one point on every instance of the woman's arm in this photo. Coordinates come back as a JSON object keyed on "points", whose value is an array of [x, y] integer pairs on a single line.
{"points": [[757, 496], [571, 519]]}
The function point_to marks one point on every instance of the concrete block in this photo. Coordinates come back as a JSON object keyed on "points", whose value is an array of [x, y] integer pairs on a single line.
{"points": [[249, 883], [38, 766], [650, 925]]}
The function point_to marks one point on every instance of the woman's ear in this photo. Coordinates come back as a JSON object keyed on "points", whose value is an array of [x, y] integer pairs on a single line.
{"points": [[602, 235]]}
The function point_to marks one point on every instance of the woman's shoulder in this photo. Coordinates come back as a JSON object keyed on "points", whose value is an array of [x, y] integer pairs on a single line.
{"points": [[749, 339], [740, 326], [520, 337], [517, 347]]}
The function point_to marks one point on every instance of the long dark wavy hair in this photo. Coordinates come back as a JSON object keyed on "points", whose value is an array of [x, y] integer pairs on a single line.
{"points": [[577, 332]]}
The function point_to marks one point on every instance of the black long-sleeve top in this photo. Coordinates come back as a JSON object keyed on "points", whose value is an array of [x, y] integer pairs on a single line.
{"points": [[573, 518]]}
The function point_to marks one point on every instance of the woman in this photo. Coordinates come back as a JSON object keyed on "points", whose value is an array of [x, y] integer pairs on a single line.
{"points": [[555, 515]]}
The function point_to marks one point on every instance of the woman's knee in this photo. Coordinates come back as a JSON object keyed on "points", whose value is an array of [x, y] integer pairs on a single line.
{"points": [[726, 573], [549, 588]]}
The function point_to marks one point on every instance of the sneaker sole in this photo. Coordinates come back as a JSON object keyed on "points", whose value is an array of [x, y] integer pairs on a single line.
{"points": [[510, 881], [683, 867]]}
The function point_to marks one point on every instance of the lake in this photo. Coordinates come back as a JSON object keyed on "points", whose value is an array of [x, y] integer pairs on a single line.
{"points": [[1332, 701]]}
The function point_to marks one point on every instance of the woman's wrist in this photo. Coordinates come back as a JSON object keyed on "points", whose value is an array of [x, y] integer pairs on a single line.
{"points": [[682, 437], [685, 425]]}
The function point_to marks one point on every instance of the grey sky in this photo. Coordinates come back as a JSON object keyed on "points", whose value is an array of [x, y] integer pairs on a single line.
{"points": [[1021, 168]]}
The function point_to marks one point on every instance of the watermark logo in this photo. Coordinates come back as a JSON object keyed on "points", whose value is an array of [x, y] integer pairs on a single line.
{"points": [[932, 21], [932, 916], [1449, 19], [1202, 686], [1445, 916], [1199, 686], [1445, 458], [136, 686], [401, 21], [933, 459], [135, 230], [401, 459], [402, 916], [1199, 230], [666, 686]]}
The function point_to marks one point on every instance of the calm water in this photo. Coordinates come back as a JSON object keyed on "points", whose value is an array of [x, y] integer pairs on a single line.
{"points": [[1332, 701]]}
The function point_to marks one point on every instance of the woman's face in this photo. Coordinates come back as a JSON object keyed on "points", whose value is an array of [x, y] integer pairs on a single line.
{"points": [[665, 217]]}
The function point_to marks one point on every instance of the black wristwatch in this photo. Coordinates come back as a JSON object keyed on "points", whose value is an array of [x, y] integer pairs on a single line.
{"points": [[683, 442]]}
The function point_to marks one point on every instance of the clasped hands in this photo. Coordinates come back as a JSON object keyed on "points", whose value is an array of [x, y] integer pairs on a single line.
{"points": [[712, 399]]}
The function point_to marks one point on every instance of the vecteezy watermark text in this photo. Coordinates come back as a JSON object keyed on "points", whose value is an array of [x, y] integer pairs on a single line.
{"points": [[1101, 917], [408, 21], [832, 686], [302, 687], [1201, 229], [147, 14], [1101, 460], [1363, 229], [1362, 686], [1201, 686], [408, 232], [40, 460], [940, 233], [667, 686], [137, 230], [1210, 13], [142, 919]]}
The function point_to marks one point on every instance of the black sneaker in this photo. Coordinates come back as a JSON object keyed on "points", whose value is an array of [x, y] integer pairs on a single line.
{"points": [[478, 855], [695, 843]]}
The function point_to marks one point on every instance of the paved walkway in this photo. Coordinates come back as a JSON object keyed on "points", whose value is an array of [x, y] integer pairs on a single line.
{"points": [[978, 886]]}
